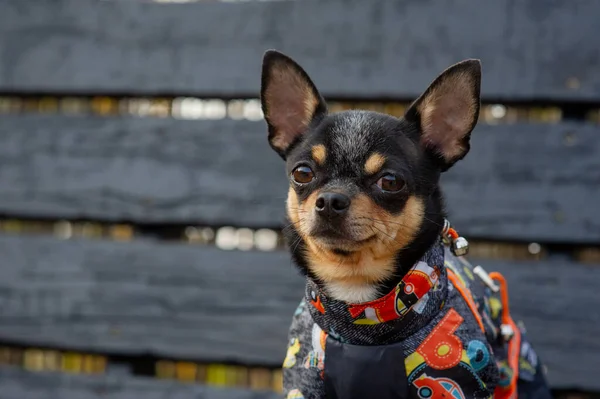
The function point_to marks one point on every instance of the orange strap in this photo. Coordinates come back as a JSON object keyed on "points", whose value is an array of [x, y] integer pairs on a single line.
{"points": [[466, 294], [452, 233], [514, 345]]}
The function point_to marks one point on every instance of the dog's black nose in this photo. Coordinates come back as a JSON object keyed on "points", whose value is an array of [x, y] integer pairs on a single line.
{"points": [[332, 204]]}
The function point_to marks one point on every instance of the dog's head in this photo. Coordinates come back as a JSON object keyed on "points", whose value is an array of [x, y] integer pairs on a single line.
{"points": [[364, 199]]}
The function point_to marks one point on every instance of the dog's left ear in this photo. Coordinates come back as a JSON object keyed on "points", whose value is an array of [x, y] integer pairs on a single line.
{"points": [[290, 100], [448, 111]]}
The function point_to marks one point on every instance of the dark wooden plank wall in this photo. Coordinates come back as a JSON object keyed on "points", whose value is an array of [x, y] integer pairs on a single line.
{"points": [[361, 49], [519, 182], [27, 385], [176, 301], [202, 304]]}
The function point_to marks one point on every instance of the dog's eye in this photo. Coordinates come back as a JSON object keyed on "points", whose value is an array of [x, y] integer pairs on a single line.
{"points": [[390, 184], [303, 175]]}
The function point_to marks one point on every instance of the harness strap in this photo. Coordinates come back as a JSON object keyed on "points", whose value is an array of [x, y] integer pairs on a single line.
{"points": [[514, 344], [466, 294]]}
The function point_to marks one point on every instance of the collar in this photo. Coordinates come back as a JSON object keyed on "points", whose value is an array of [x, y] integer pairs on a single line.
{"points": [[415, 300]]}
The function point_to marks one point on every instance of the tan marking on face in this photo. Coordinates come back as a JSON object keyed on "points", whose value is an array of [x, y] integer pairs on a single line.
{"points": [[301, 213], [309, 204], [407, 223], [374, 163], [292, 207], [319, 154], [373, 261]]}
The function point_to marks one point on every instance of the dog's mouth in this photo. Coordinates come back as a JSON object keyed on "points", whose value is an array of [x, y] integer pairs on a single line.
{"points": [[339, 242]]}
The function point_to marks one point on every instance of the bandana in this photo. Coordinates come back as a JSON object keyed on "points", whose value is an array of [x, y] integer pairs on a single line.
{"points": [[415, 301]]}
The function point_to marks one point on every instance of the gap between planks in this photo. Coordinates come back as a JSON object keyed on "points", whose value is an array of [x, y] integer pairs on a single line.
{"points": [[231, 238]]}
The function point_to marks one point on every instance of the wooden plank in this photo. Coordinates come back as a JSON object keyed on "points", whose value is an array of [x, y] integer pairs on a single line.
{"points": [[15, 383], [368, 50], [143, 170], [133, 298], [528, 182], [199, 303], [519, 182], [558, 302]]}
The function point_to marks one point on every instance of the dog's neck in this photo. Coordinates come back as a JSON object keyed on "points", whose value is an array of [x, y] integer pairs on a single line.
{"points": [[358, 291], [409, 305], [353, 292]]}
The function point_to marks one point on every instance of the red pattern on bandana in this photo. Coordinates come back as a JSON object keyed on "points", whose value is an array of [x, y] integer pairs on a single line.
{"points": [[417, 282]]}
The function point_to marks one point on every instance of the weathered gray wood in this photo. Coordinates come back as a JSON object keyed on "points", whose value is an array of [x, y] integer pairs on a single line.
{"points": [[558, 302], [134, 298], [200, 303], [360, 49], [528, 182], [216, 172], [21, 384], [519, 182]]}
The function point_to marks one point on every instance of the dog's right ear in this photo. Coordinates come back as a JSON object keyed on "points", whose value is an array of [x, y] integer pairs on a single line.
{"points": [[290, 100]]}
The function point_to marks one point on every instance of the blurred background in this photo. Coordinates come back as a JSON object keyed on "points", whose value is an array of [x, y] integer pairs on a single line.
{"points": [[141, 206]]}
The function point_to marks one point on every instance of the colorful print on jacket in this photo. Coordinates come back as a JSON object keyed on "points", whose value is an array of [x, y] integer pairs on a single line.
{"points": [[440, 326]]}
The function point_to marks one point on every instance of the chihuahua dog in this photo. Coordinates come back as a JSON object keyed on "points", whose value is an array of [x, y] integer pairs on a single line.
{"points": [[391, 309]]}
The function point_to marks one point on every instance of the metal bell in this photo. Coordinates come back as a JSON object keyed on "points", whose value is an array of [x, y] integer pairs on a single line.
{"points": [[460, 246]]}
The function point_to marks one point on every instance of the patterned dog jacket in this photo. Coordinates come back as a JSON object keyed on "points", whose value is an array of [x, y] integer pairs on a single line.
{"points": [[443, 332]]}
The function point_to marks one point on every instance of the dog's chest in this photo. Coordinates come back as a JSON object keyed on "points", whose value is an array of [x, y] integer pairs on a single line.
{"points": [[448, 353]]}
